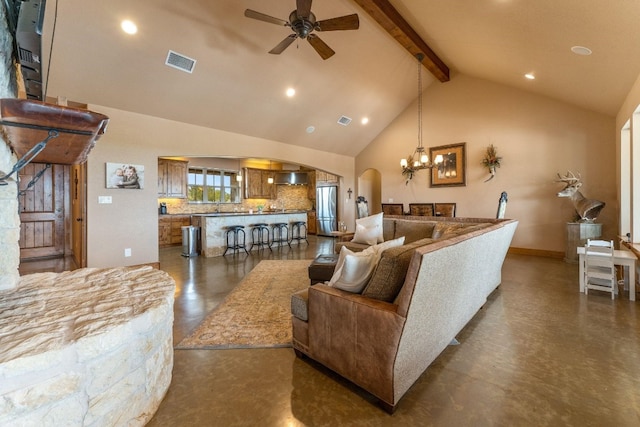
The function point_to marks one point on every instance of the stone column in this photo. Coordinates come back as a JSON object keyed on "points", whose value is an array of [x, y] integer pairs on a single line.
{"points": [[9, 218]]}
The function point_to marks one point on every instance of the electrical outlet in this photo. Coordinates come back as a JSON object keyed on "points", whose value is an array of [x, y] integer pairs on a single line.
{"points": [[390, 200], [104, 199], [127, 252]]}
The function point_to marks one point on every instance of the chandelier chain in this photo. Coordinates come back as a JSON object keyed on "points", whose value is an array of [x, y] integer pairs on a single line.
{"points": [[419, 101]]}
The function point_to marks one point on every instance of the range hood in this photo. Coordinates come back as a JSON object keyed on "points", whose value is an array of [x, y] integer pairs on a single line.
{"points": [[291, 178]]}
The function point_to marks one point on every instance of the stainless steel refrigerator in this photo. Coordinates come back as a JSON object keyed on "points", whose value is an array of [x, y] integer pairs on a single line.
{"points": [[327, 210]]}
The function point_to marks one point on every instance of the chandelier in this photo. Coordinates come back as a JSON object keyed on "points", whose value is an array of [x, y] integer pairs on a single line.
{"points": [[419, 159]]}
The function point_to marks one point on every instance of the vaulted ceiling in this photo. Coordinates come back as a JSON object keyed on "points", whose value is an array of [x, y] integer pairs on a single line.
{"points": [[238, 86]]}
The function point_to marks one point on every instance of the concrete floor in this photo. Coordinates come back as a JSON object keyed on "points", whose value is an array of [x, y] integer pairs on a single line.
{"points": [[538, 354]]}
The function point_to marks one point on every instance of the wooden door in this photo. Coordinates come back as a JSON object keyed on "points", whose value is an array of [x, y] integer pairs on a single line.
{"points": [[42, 212], [78, 187]]}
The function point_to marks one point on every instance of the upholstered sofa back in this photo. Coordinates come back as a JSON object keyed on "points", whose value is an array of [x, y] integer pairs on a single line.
{"points": [[384, 343]]}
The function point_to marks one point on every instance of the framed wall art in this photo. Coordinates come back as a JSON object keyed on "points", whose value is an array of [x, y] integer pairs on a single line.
{"points": [[452, 170], [125, 175]]}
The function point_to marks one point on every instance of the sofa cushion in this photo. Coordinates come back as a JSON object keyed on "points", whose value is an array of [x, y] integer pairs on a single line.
{"points": [[369, 226], [445, 228], [353, 270], [388, 228], [389, 275], [300, 304], [414, 230]]}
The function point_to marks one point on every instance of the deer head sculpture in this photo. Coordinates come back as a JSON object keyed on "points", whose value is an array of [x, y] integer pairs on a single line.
{"points": [[587, 209]]}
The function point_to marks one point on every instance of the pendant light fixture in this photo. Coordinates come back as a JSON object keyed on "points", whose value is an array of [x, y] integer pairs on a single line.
{"points": [[270, 179], [419, 159]]}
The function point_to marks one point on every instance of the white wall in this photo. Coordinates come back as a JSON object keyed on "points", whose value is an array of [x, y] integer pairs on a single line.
{"points": [[131, 221], [537, 137]]}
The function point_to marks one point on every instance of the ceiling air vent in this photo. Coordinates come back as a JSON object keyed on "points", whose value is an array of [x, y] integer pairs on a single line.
{"points": [[344, 120], [180, 62]]}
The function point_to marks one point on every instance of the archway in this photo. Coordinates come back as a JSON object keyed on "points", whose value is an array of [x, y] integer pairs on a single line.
{"points": [[370, 187]]}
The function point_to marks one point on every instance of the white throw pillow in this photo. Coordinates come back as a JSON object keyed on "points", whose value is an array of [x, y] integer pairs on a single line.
{"points": [[369, 226], [367, 236], [353, 270], [380, 247]]}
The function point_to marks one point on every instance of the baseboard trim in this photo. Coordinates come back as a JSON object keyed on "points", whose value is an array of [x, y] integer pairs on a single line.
{"points": [[536, 252]]}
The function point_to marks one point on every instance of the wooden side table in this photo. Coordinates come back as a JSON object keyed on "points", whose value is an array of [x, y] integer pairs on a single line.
{"points": [[342, 236]]}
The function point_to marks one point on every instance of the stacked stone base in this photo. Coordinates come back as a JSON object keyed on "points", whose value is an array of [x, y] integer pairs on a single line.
{"points": [[86, 348]]}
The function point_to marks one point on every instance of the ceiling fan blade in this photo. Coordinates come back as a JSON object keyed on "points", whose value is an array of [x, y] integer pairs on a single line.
{"points": [[348, 22], [303, 8], [321, 47], [283, 44], [266, 18]]}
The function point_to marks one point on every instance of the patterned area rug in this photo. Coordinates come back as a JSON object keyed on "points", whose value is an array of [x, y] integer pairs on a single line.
{"points": [[257, 313]]}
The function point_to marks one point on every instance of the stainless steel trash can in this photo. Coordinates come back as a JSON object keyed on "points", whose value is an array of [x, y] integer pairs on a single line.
{"points": [[190, 240]]}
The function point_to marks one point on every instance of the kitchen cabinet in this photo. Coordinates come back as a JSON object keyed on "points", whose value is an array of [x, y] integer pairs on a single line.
{"points": [[326, 178], [172, 178], [311, 187], [170, 229], [257, 185], [312, 226]]}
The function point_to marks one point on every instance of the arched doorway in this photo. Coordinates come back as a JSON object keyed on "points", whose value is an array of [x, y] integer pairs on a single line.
{"points": [[370, 187]]}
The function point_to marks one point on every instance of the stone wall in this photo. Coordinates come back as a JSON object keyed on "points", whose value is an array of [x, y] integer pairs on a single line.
{"points": [[9, 219]]}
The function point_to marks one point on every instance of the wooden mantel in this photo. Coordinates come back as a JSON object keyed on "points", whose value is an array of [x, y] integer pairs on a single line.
{"points": [[27, 122]]}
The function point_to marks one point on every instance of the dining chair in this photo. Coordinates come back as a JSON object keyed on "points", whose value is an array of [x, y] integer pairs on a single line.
{"points": [[421, 209], [393, 209], [599, 268], [502, 205], [445, 209]]}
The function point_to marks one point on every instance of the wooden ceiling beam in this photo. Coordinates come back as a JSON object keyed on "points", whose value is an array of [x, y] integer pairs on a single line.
{"points": [[390, 19]]}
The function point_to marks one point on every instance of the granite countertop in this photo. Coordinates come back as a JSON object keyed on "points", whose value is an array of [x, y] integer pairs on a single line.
{"points": [[246, 213]]}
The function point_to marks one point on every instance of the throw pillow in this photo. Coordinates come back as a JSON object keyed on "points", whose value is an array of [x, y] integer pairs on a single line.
{"points": [[367, 236], [353, 270], [388, 278], [370, 224], [381, 247]]}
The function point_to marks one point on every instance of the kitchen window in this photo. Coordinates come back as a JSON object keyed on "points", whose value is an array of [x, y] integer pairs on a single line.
{"points": [[213, 186]]}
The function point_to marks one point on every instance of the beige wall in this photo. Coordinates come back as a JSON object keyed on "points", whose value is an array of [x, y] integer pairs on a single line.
{"points": [[537, 138], [131, 221]]}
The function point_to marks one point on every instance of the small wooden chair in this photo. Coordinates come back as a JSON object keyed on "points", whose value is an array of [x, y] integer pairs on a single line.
{"points": [[421, 209], [446, 209], [393, 209], [599, 268]]}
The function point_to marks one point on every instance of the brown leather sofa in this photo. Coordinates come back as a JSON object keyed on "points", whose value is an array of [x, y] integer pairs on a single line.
{"points": [[384, 344]]}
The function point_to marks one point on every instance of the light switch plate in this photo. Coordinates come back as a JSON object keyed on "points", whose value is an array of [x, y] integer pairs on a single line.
{"points": [[104, 199], [127, 252]]}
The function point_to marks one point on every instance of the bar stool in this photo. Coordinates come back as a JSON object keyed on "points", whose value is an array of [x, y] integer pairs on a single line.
{"points": [[258, 236], [296, 231], [235, 230], [282, 229]]}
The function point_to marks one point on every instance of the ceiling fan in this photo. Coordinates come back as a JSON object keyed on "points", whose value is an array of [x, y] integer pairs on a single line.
{"points": [[303, 23]]}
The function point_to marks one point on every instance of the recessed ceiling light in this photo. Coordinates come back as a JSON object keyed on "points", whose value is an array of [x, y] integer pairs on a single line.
{"points": [[364, 120], [129, 27], [291, 92], [311, 129], [529, 76], [581, 50]]}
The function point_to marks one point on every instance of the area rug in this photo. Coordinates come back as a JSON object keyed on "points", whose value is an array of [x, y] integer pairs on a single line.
{"points": [[257, 313]]}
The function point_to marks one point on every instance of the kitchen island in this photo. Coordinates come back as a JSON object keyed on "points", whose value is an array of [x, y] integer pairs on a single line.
{"points": [[213, 227]]}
